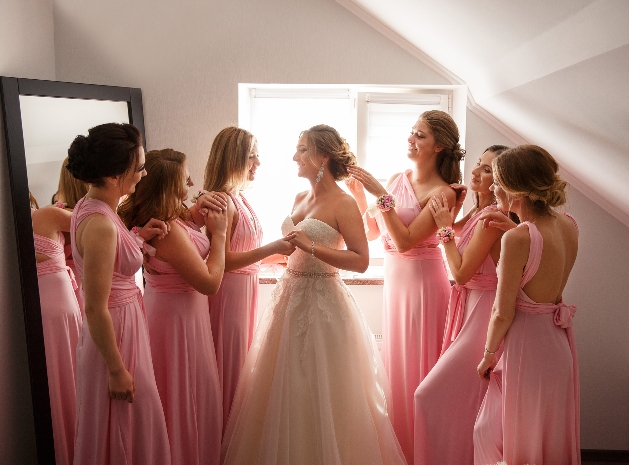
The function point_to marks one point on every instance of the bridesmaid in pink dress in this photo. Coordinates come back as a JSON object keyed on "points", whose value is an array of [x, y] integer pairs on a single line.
{"points": [[416, 285], [61, 319], [230, 167], [448, 399], [530, 414], [69, 192], [179, 274], [119, 413]]}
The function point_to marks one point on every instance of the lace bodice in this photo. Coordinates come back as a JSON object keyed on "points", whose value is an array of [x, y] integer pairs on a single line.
{"points": [[319, 232]]}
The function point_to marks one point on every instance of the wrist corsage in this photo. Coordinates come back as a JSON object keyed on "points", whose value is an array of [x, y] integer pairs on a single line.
{"points": [[60, 204], [445, 234], [196, 196], [384, 203]]}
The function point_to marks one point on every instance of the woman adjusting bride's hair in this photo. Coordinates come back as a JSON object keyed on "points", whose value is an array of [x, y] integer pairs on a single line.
{"points": [[313, 389]]}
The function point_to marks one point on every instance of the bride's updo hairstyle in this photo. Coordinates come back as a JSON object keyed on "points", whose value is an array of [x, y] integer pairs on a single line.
{"points": [[227, 166], [326, 140], [446, 134], [109, 149], [160, 194], [530, 171]]}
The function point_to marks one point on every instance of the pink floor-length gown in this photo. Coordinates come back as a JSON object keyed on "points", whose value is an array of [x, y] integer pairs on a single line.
{"points": [[416, 291], [233, 309], [184, 360], [114, 431], [448, 399], [530, 414], [313, 390], [61, 319], [67, 250]]}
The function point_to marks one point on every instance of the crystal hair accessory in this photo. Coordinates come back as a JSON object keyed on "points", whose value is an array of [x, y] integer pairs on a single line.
{"points": [[445, 234], [196, 196]]}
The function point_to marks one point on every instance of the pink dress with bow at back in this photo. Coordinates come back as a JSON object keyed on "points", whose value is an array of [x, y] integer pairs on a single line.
{"points": [[233, 309], [114, 431], [530, 414], [416, 290], [448, 399], [184, 360], [61, 319]]}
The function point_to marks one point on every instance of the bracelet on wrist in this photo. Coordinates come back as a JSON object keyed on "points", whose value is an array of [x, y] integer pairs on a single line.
{"points": [[489, 352], [196, 196], [312, 249], [445, 234]]}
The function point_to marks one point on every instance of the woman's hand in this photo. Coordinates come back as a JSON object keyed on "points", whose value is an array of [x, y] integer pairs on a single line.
{"points": [[371, 184], [216, 221], [300, 239], [121, 386], [282, 246], [487, 364], [216, 201], [461, 193], [442, 215], [154, 228], [497, 220], [355, 187]]}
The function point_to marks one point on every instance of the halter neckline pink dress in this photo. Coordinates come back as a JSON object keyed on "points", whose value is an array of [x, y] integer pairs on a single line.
{"points": [[313, 390], [233, 309], [61, 320], [184, 360], [448, 399], [530, 414], [416, 290], [114, 431]]}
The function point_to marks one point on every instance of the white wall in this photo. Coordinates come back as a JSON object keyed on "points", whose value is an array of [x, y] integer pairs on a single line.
{"points": [[26, 50]]}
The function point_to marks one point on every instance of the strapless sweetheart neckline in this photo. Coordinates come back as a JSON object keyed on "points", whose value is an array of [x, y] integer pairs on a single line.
{"points": [[314, 219]]}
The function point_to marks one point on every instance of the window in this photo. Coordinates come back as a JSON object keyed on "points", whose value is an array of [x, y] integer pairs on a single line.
{"points": [[375, 121]]}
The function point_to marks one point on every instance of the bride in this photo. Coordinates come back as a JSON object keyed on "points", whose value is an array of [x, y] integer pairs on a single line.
{"points": [[313, 389]]}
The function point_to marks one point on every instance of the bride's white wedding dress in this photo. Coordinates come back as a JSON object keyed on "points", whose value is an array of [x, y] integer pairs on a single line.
{"points": [[313, 389]]}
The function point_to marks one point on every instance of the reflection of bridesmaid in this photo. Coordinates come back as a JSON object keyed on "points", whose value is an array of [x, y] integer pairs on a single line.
{"points": [[181, 271], [416, 286], [114, 365], [230, 167], [448, 399], [61, 319], [69, 192]]}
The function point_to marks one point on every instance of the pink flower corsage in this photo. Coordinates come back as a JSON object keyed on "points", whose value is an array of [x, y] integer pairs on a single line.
{"points": [[385, 202], [196, 196], [445, 234], [60, 204], [135, 230]]}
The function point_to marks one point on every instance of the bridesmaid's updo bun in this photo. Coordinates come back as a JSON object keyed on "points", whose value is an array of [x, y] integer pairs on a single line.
{"points": [[109, 149], [531, 172], [327, 141], [446, 134]]}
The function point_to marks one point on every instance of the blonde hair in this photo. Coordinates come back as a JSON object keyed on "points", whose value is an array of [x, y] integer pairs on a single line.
{"points": [[327, 141], [531, 172], [446, 134], [226, 167], [160, 193], [70, 188]]}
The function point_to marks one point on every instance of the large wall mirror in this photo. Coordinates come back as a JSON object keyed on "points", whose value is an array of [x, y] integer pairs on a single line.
{"points": [[41, 118]]}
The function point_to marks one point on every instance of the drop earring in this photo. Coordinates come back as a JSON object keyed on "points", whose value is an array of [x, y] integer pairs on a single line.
{"points": [[320, 173]]}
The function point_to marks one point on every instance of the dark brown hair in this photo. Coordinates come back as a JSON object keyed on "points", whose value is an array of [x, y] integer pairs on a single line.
{"points": [[160, 194], [531, 172], [109, 149], [446, 134], [327, 141]]}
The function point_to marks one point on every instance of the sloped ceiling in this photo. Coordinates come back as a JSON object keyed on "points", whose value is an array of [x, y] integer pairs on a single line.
{"points": [[552, 73]]}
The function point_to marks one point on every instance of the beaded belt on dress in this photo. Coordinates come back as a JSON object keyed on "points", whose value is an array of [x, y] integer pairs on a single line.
{"points": [[307, 274]]}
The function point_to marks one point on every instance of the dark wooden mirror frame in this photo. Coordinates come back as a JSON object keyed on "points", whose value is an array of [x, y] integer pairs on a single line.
{"points": [[10, 90]]}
